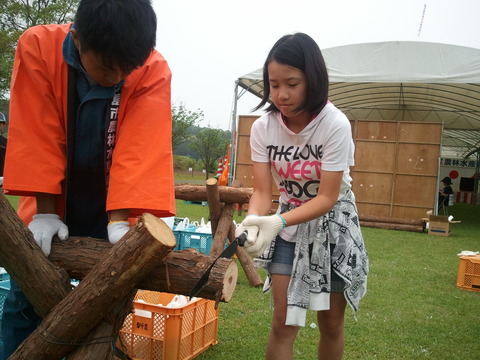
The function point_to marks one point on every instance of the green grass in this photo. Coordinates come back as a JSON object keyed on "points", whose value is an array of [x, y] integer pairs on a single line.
{"points": [[412, 310]]}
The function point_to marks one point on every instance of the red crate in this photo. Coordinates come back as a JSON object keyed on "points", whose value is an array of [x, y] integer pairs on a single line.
{"points": [[169, 333]]}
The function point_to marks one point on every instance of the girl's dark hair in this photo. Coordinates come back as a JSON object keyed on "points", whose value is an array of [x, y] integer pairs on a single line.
{"points": [[122, 32], [301, 52]]}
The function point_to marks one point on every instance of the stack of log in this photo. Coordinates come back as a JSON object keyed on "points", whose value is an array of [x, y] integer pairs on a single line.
{"points": [[242, 196], [388, 223], [221, 218], [84, 322]]}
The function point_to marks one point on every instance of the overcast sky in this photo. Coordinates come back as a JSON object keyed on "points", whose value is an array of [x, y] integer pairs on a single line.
{"points": [[209, 44]]}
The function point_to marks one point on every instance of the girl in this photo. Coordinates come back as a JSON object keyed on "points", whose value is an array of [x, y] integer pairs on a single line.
{"points": [[314, 251]]}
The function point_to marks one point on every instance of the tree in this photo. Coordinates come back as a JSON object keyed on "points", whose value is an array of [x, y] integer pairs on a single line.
{"points": [[211, 144], [182, 121], [18, 15]]}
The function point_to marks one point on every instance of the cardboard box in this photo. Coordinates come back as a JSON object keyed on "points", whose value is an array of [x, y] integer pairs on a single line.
{"points": [[440, 225]]}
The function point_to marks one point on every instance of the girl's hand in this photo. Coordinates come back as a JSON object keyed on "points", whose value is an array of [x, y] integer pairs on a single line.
{"points": [[268, 228]]}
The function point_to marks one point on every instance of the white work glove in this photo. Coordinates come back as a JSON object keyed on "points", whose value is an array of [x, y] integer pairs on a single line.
{"points": [[1, 180], [268, 228], [116, 230], [44, 227], [252, 231]]}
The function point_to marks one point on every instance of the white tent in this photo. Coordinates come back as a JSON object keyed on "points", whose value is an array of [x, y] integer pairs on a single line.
{"points": [[406, 81]]}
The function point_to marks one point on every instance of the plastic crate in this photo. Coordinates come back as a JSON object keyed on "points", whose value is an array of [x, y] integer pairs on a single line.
{"points": [[168, 333], [4, 288], [178, 236], [468, 277], [201, 242]]}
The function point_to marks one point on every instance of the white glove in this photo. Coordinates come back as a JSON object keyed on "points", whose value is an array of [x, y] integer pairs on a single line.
{"points": [[1, 180], [268, 228], [44, 227], [252, 231], [116, 230]]}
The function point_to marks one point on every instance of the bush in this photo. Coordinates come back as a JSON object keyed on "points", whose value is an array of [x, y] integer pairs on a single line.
{"points": [[183, 162]]}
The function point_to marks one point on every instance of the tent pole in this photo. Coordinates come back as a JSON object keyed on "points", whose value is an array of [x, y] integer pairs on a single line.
{"points": [[234, 137]]}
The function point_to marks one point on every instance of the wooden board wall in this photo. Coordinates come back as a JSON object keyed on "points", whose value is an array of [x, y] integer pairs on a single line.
{"points": [[396, 165]]}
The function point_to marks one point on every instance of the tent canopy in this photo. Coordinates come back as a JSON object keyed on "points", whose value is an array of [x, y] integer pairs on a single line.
{"points": [[406, 81]]}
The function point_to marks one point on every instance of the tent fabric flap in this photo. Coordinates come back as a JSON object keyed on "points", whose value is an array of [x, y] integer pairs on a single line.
{"points": [[407, 81]]}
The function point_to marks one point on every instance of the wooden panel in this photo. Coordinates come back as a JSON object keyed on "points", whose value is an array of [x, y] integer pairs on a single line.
{"points": [[244, 153], [376, 130], [396, 166], [373, 209], [420, 133], [417, 159], [405, 212], [245, 124], [372, 187], [244, 174], [374, 156], [414, 190]]}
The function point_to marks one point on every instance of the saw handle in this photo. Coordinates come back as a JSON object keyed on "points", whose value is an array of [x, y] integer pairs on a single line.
{"points": [[240, 239]]}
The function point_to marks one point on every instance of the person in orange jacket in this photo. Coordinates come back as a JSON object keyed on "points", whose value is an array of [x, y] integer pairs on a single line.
{"points": [[3, 145], [90, 133]]}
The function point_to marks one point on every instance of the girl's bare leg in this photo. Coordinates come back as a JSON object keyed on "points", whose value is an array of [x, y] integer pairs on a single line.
{"points": [[331, 325], [280, 341]]}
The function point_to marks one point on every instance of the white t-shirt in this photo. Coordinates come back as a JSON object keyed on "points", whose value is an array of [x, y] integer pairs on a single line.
{"points": [[296, 159]]}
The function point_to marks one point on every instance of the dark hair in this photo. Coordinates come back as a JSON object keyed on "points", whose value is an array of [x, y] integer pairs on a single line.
{"points": [[301, 52], [122, 32]]}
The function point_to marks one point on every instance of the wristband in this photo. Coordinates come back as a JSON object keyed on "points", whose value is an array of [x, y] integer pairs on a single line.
{"points": [[284, 223]]}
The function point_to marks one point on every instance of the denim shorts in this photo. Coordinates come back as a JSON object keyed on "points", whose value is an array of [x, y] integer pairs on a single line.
{"points": [[282, 263]]}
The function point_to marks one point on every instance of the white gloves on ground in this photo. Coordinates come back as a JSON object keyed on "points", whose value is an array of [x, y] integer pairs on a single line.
{"points": [[261, 231], [44, 227], [116, 230]]}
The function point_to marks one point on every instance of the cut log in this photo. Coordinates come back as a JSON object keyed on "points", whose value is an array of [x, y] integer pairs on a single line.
{"points": [[110, 281], [214, 205], [228, 194], [224, 224], [389, 226], [177, 273], [390, 220], [43, 283], [246, 261], [101, 349]]}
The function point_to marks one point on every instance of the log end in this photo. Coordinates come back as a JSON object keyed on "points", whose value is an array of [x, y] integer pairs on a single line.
{"points": [[159, 229], [230, 281], [211, 181]]}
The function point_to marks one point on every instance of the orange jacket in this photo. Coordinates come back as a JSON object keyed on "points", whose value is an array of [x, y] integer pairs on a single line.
{"points": [[141, 176]]}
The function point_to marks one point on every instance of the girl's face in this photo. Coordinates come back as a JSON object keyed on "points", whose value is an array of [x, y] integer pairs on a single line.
{"points": [[288, 87]]}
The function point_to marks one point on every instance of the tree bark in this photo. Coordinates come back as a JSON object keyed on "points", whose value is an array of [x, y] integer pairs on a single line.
{"points": [[214, 204], [177, 273], [105, 331], [389, 220], [389, 226], [110, 281], [224, 223], [228, 194], [43, 283], [246, 261]]}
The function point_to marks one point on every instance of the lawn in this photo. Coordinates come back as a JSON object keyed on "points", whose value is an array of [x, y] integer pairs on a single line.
{"points": [[413, 309]]}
